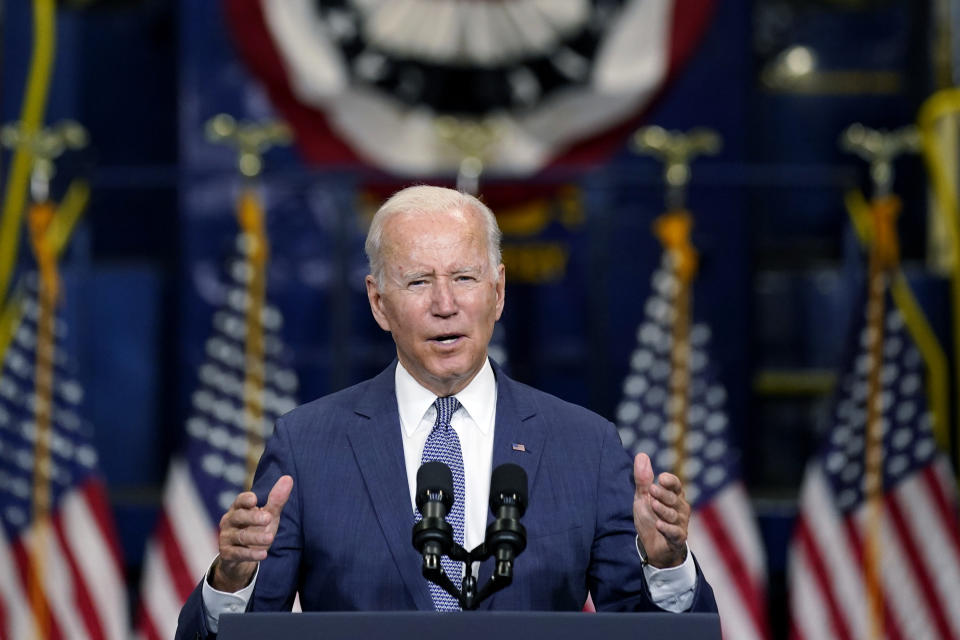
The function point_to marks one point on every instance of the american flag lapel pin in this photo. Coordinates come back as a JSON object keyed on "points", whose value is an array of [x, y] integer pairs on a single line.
{"points": [[519, 446]]}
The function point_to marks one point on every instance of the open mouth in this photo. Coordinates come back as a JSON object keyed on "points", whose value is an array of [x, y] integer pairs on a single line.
{"points": [[447, 339]]}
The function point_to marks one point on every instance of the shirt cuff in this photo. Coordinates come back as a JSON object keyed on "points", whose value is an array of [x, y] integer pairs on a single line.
{"points": [[672, 588], [216, 603]]}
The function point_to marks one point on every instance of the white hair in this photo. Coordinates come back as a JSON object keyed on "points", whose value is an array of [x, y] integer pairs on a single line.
{"points": [[425, 199]]}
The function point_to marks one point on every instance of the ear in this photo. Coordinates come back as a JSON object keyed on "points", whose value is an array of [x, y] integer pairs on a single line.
{"points": [[376, 303], [501, 288]]}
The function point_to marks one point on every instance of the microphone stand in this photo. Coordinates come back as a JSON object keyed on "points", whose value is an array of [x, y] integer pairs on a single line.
{"points": [[505, 536], [468, 596]]}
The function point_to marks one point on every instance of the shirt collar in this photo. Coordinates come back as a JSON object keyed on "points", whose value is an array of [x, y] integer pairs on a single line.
{"points": [[478, 398]]}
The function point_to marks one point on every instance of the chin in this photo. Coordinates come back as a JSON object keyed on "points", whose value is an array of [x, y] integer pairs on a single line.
{"points": [[452, 373], [448, 374]]}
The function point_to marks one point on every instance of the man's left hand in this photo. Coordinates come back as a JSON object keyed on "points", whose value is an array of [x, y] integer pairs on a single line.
{"points": [[660, 514]]}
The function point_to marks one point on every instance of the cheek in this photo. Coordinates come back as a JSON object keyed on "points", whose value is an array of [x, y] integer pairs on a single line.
{"points": [[404, 317]]}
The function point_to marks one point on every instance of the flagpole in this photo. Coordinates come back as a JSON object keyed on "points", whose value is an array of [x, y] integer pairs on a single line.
{"points": [[677, 150], [39, 218], [471, 141], [879, 148], [251, 140], [47, 239]]}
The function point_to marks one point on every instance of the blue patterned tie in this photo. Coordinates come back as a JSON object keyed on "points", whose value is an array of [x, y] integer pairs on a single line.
{"points": [[444, 445]]}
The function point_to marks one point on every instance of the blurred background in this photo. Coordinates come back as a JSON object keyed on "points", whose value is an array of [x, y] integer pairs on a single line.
{"points": [[208, 274]]}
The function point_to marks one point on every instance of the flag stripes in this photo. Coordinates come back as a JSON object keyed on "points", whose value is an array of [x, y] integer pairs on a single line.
{"points": [[58, 587], [920, 569], [81, 596], [83, 529], [193, 531], [17, 619], [183, 580], [939, 480], [160, 607], [178, 554], [720, 539]]}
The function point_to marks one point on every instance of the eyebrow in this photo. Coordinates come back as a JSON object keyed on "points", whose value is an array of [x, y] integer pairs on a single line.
{"points": [[468, 269], [414, 275]]}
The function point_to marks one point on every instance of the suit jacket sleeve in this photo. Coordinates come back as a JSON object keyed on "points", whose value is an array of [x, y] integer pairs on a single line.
{"points": [[277, 581]]}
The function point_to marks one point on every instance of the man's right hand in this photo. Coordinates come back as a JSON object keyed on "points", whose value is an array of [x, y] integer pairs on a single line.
{"points": [[246, 532]]}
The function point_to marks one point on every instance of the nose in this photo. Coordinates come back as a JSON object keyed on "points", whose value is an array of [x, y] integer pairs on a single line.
{"points": [[444, 301]]}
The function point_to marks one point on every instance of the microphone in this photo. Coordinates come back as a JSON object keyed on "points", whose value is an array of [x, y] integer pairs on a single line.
{"points": [[506, 537], [433, 535]]}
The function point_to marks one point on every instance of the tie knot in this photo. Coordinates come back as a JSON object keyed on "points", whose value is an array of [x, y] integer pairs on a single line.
{"points": [[446, 407]]}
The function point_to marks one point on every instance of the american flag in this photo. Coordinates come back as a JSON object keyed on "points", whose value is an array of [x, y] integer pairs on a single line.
{"points": [[230, 419], [722, 533], [887, 567], [60, 574]]}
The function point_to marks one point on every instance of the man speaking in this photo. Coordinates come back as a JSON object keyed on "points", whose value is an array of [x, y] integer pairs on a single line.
{"points": [[336, 483]]}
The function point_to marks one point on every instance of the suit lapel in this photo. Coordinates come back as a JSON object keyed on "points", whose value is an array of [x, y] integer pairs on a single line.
{"points": [[378, 448], [518, 438]]}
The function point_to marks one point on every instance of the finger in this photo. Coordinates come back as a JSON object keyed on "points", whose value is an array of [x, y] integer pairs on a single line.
{"points": [[670, 482], [665, 513], [246, 518], [642, 474], [245, 500], [246, 538], [255, 537], [674, 534], [665, 496], [279, 496]]}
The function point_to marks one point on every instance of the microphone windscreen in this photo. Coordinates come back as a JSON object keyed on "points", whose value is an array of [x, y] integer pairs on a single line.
{"points": [[434, 476], [508, 483]]}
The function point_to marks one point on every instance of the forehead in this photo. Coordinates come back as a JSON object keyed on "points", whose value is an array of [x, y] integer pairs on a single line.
{"points": [[454, 236]]}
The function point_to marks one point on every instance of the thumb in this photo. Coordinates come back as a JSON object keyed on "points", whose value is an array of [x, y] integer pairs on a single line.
{"points": [[279, 496], [642, 474]]}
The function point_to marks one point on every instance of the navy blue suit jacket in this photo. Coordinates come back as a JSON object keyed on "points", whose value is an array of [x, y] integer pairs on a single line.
{"points": [[344, 540]]}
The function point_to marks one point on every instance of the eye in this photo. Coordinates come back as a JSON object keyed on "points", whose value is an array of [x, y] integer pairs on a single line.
{"points": [[466, 278], [417, 283]]}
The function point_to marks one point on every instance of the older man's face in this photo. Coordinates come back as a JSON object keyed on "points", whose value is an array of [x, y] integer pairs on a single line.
{"points": [[439, 298]]}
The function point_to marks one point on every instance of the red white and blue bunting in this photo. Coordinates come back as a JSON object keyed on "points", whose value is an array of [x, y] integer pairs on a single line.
{"points": [[366, 80]]}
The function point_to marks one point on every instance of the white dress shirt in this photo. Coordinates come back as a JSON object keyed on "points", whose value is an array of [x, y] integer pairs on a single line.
{"points": [[671, 589], [473, 422]]}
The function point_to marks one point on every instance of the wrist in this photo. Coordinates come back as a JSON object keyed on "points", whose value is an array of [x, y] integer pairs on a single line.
{"points": [[227, 579], [675, 558], [644, 560]]}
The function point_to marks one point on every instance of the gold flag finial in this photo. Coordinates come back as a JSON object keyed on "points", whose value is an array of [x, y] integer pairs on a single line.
{"points": [[471, 140], [880, 148], [676, 149], [44, 146], [250, 139]]}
